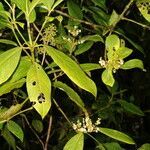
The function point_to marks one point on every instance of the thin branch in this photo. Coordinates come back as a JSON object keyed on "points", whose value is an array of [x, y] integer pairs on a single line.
{"points": [[135, 22], [42, 144], [78, 20], [48, 133]]}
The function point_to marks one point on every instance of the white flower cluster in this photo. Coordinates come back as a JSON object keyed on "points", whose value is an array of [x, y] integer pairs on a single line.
{"points": [[116, 64], [86, 125], [75, 31], [66, 39]]}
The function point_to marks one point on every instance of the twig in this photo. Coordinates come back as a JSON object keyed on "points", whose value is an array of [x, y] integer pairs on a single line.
{"points": [[78, 20], [42, 144], [135, 22], [58, 107], [48, 133]]}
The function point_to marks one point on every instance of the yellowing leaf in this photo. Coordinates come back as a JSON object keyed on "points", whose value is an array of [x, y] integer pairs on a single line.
{"points": [[8, 63], [39, 89], [72, 70]]}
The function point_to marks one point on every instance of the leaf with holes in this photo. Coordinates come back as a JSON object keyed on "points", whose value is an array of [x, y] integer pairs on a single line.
{"points": [[75, 143], [39, 89], [144, 8], [72, 70], [7, 60]]}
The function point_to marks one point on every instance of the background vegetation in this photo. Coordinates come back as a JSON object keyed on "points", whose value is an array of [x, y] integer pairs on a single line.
{"points": [[74, 74]]}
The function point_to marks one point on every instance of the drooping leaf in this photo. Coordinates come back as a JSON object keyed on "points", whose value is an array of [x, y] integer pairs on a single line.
{"points": [[133, 63], [15, 129], [7, 60], [39, 89], [71, 93], [38, 125], [145, 147], [129, 107], [74, 9], [72, 70], [75, 143], [5, 41], [117, 135], [107, 77], [90, 66], [9, 138]]}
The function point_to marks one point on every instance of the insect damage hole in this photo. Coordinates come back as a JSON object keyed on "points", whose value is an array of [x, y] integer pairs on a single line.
{"points": [[34, 83], [41, 98]]}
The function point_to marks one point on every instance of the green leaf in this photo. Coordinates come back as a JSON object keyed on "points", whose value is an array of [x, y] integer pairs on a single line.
{"points": [[9, 86], [22, 4], [112, 146], [5, 41], [7, 60], [145, 147], [100, 3], [15, 129], [94, 38], [1, 126], [133, 63], [129, 107], [74, 9], [56, 4], [39, 89], [90, 66], [48, 3], [75, 143], [38, 125], [134, 44], [83, 47], [33, 4], [113, 18], [107, 77], [124, 52], [112, 42], [72, 70], [17, 79], [32, 16], [9, 138], [71, 93], [117, 135]]}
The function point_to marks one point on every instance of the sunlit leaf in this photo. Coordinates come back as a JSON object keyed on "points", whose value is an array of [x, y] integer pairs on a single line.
{"points": [[15, 129], [71, 93], [72, 70], [123, 52], [75, 143], [113, 18], [7, 60], [107, 77], [39, 89], [90, 66], [5, 41], [133, 63], [117, 135], [48, 3], [112, 146]]}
